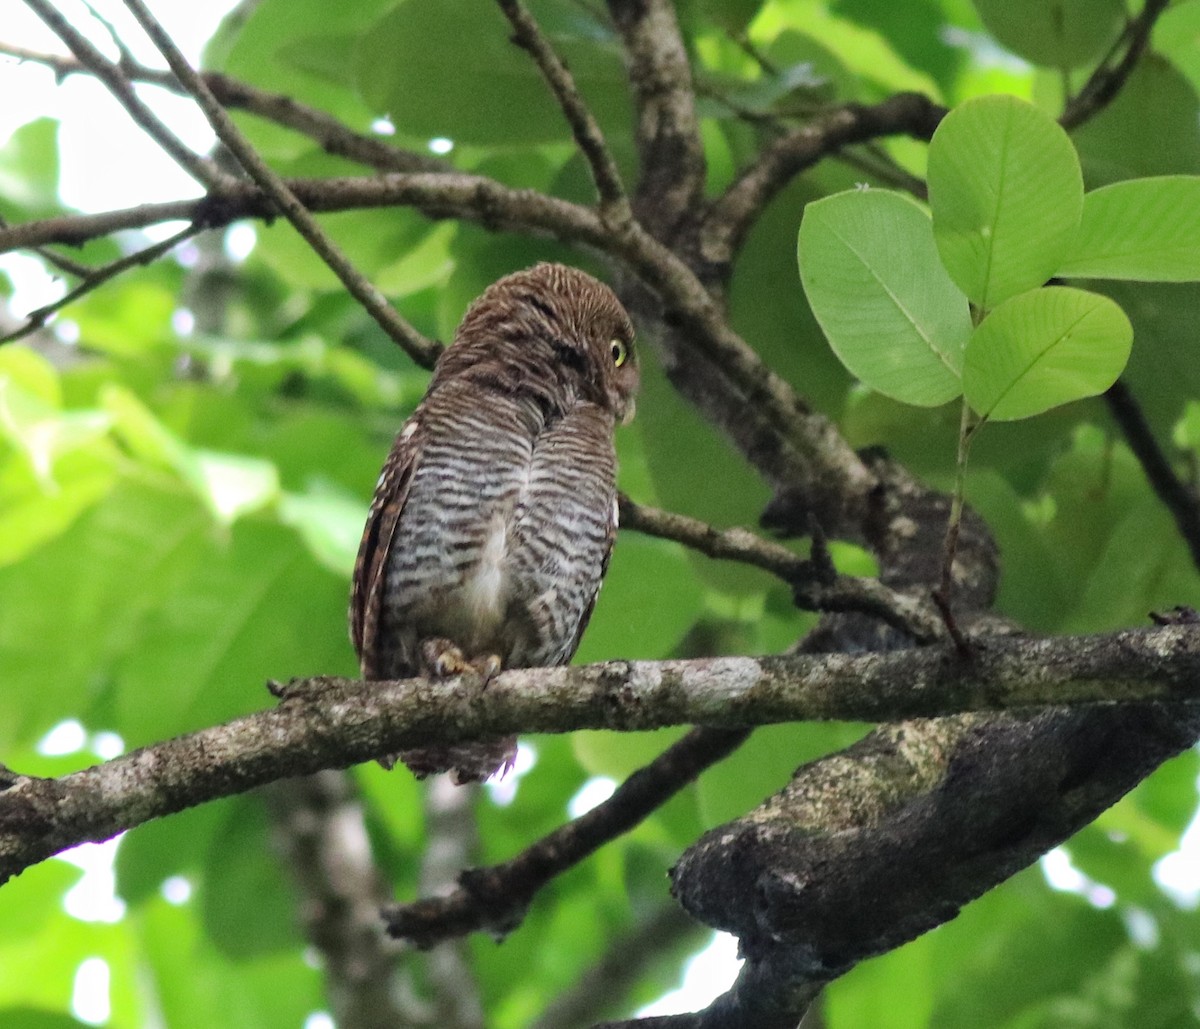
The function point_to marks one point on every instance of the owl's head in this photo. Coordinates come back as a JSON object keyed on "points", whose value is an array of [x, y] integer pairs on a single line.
{"points": [[573, 317]]}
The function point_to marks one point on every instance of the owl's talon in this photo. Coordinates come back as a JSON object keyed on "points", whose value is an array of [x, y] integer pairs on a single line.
{"points": [[487, 667]]}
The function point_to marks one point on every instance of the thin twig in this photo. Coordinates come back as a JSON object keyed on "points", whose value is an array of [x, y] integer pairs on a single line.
{"points": [[52, 257], [203, 169], [97, 277], [943, 593], [873, 160], [495, 899], [812, 590], [422, 350], [113, 35], [1180, 498], [333, 136], [1113, 72], [527, 34]]}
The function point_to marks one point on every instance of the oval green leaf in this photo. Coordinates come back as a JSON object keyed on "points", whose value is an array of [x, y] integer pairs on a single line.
{"points": [[1054, 33], [882, 297], [1006, 194], [1044, 348], [1143, 229]]}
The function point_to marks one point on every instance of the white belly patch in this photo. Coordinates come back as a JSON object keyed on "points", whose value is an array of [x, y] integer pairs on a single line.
{"points": [[485, 586]]}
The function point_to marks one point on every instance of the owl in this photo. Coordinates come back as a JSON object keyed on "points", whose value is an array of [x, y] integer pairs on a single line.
{"points": [[495, 513]]}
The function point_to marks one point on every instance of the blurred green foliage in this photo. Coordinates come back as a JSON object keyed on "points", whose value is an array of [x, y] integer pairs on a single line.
{"points": [[179, 511]]}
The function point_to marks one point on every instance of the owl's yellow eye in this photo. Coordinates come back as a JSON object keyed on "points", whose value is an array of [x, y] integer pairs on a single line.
{"points": [[620, 352]]}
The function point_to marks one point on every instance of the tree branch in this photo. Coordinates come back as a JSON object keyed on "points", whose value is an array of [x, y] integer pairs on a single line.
{"points": [[333, 723], [423, 351], [668, 132], [436, 195], [1179, 498], [871, 847], [204, 170], [614, 206], [1113, 72], [451, 841], [320, 830], [732, 216], [816, 588], [495, 899]]}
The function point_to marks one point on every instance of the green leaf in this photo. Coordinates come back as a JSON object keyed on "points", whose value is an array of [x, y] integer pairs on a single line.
{"points": [[43, 434], [1006, 193], [1176, 36], [1186, 432], [82, 597], [1151, 127], [32, 373], [154, 851], [193, 985], [785, 332], [29, 172], [33, 512], [502, 100], [1054, 33], [650, 598], [134, 319], [234, 485], [255, 606], [1044, 348], [1142, 566], [373, 240], [886, 304], [915, 30], [247, 907], [59, 462], [29, 1018], [260, 45], [329, 522], [1146, 229]]}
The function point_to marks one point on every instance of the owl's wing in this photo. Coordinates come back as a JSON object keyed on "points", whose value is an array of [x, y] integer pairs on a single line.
{"points": [[370, 569], [566, 525], [609, 540]]}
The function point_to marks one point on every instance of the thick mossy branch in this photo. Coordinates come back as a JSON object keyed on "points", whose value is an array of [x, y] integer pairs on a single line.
{"points": [[869, 848]]}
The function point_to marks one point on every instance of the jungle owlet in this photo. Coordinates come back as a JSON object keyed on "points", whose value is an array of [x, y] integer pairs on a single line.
{"points": [[495, 513]]}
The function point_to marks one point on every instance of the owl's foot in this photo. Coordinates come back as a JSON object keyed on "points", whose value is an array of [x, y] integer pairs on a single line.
{"points": [[473, 761], [442, 658]]}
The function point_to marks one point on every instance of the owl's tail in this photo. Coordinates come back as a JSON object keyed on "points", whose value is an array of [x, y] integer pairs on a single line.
{"points": [[477, 761]]}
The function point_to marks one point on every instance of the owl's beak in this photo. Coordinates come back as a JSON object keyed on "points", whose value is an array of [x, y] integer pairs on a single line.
{"points": [[630, 410]]}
